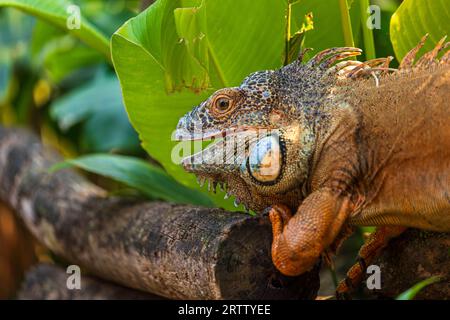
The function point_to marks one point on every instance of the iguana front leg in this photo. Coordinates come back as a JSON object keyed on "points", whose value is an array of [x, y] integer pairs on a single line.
{"points": [[299, 241]]}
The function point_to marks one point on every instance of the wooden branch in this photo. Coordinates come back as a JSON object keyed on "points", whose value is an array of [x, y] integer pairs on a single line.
{"points": [[175, 251], [414, 256], [49, 282]]}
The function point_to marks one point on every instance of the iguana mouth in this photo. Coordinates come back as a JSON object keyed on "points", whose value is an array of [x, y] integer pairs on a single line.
{"points": [[220, 159], [182, 134], [227, 148], [186, 135], [212, 155]]}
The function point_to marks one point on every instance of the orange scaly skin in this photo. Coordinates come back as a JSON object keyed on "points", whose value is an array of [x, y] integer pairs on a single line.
{"points": [[401, 134], [380, 156]]}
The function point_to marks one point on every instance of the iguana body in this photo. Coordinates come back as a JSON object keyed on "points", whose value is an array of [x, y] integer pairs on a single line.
{"points": [[352, 151], [402, 138]]}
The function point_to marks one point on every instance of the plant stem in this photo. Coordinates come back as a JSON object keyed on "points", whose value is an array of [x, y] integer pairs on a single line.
{"points": [[334, 276], [369, 44], [346, 24], [288, 34]]}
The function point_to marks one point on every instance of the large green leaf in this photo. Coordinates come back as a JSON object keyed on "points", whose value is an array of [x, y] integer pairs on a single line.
{"points": [[413, 19], [150, 180], [176, 53], [55, 12]]}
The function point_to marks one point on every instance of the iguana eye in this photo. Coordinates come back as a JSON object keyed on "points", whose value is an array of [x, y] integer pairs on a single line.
{"points": [[222, 104], [264, 161]]}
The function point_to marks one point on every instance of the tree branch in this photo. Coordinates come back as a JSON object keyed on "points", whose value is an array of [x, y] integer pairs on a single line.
{"points": [[49, 282], [175, 251], [415, 256]]}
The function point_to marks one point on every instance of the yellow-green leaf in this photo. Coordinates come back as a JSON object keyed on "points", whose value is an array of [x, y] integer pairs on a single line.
{"points": [[415, 18], [58, 13]]}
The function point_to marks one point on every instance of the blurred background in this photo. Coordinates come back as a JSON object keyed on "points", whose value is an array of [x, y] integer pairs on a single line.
{"points": [[44, 72], [69, 95]]}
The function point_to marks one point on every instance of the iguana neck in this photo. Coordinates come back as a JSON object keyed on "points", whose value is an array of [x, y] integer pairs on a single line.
{"points": [[316, 107]]}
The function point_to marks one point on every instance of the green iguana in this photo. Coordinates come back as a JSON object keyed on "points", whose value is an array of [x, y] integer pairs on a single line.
{"points": [[340, 143]]}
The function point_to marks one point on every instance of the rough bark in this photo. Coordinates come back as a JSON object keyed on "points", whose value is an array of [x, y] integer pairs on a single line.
{"points": [[414, 256], [49, 282], [175, 251]]}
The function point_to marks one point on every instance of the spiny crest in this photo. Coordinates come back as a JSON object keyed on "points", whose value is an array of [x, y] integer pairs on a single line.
{"points": [[330, 60], [429, 59]]}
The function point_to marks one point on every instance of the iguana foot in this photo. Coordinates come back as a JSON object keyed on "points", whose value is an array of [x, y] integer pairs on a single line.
{"points": [[300, 239], [279, 217], [376, 242]]}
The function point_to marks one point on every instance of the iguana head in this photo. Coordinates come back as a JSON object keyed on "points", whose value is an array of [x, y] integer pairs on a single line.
{"points": [[264, 131]]}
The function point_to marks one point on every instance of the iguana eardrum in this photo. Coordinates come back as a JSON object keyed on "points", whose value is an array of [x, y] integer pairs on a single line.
{"points": [[347, 144]]}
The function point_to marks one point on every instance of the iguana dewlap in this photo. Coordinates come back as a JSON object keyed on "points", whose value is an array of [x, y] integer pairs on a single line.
{"points": [[340, 145]]}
